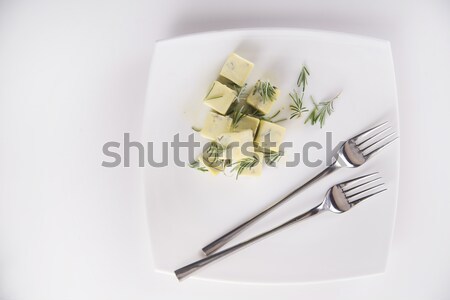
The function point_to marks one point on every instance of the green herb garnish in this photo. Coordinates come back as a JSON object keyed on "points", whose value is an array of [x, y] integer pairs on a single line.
{"points": [[302, 80], [240, 93], [312, 117], [266, 90], [214, 153], [239, 107], [237, 115], [246, 163], [272, 157], [321, 111], [196, 165], [270, 119], [297, 107], [253, 112]]}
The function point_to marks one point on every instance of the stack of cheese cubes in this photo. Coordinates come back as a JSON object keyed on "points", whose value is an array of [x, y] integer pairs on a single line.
{"points": [[246, 138]]}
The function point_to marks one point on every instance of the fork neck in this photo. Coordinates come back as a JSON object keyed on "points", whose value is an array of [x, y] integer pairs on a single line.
{"points": [[328, 170]]}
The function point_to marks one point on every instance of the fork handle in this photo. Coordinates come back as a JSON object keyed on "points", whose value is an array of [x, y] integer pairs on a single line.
{"points": [[221, 241], [195, 266]]}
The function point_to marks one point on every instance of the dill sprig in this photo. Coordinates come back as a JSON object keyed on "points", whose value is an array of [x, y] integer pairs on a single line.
{"points": [[243, 164], [196, 165], [297, 107], [321, 111], [302, 80], [266, 90]]}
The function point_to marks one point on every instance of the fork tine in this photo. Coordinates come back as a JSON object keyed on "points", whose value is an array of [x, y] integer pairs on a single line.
{"points": [[360, 185], [353, 203], [368, 131], [373, 136], [345, 183], [376, 142], [362, 192], [373, 152]]}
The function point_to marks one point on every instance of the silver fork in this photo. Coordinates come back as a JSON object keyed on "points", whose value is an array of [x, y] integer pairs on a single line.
{"points": [[353, 153], [338, 199]]}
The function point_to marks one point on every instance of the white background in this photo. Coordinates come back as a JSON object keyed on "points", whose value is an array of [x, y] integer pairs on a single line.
{"points": [[73, 75]]}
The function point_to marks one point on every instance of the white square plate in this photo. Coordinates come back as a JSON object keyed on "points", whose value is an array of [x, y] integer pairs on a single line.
{"points": [[188, 209]]}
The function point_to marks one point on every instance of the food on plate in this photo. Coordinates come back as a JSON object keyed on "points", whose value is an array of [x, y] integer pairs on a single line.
{"points": [[246, 122], [209, 165], [220, 97], [319, 112], [215, 125], [243, 136], [270, 136], [236, 69], [239, 145], [250, 166], [263, 95], [237, 124]]}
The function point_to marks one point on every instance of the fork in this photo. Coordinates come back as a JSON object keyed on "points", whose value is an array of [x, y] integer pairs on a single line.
{"points": [[338, 199], [352, 154]]}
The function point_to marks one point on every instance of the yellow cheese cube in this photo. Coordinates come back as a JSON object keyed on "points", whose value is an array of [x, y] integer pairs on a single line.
{"points": [[256, 170], [272, 133], [218, 89], [238, 145], [236, 69], [247, 122], [264, 106], [220, 97], [215, 125]]}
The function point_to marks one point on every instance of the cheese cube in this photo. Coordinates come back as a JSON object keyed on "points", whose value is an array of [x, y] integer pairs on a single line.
{"points": [[236, 69], [213, 169], [264, 106], [220, 97], [256, 170], [238, 145], [270, 133], [215, 125], [247, 122]]}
